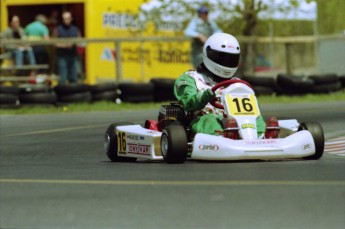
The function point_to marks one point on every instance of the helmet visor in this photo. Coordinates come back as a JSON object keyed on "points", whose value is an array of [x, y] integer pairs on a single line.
{"points": [[230, 60]]}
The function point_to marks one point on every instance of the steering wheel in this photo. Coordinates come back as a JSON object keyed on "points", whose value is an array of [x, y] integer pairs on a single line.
{"points": [[226, 83]]}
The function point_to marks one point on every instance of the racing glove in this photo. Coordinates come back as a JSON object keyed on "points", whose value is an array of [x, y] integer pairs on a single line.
{"points": [[206, 96]]}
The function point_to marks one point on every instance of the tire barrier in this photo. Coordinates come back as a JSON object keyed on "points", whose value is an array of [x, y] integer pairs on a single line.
{"points": [[292, 84], [31, 94], [9, 97], [342, 80], [73, 93], [163, 89], [261, 85], [104, 91], [158, 90], [136, 92]]}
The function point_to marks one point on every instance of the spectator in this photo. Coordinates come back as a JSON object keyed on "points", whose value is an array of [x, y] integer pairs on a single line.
{"points": [[66, 52], [53, 21], [200, 28], [15, 31], [37, 30]]}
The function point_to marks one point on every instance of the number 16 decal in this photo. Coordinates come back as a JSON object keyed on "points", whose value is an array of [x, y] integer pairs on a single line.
{"points": [[242, 105], [121, 142]]}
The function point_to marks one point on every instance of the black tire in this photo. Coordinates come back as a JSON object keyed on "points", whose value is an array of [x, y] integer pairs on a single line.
{"points": [[136, 92], [136, 98], [106, 95], [111, 143], [163, 89], [263, 90], [316, 131], [291, 84], [38, 98], [103, 87], [342, 80], [8, 101], [29, 89], [174, 144], [9, 90], [259, 81], [71, 89], [327, 88], [83, 97], [324, 79]]}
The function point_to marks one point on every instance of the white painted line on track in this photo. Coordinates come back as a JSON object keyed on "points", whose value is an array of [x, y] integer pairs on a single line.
{"points": [[52, 131]]}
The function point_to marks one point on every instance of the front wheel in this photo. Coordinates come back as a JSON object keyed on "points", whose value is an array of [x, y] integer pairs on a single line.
{"points": [[316, 131], [111, 143], [174, 144]]}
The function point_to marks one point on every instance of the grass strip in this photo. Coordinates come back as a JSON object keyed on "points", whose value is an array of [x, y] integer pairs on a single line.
{"points": [[110, 106]]}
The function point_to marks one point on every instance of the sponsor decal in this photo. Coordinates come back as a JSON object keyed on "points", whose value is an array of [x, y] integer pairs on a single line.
{"points": [[234, 95], [152, 132], [135, 137], [120, 20], [248, 125], [209, 147], [138, 149], [261, 142], [306, 146]]}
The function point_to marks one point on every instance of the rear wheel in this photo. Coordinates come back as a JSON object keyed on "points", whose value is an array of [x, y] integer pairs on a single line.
{"points": [[319, 140], [174, 144], [111, 143]]}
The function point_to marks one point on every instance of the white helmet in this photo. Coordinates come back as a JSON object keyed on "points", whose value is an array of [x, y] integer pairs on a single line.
{"points": [[221, 54]]}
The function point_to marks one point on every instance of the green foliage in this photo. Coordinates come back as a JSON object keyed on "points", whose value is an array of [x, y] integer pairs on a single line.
{"points": [[236, 17], [331, 16]]}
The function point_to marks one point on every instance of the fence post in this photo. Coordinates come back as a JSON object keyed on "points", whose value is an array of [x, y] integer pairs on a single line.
{"points": [[288, 58], [118, 62]]}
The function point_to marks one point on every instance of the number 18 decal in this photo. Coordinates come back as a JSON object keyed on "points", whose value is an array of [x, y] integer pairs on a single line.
{"points": [[242, 105]]}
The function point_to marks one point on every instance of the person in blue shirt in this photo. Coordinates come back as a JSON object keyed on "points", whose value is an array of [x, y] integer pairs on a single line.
{"points": [[200, 28]]}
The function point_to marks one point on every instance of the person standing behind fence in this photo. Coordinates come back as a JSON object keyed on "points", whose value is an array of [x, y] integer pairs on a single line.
{"points": [[200, 28], [18, 51], [37, 30], [66, 52]]}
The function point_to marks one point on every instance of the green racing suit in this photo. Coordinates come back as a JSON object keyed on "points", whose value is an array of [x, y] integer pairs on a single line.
{"points": [[193, 90]]}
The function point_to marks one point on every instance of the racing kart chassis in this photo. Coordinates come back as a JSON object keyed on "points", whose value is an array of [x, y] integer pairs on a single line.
{"points": [[170, 139]]}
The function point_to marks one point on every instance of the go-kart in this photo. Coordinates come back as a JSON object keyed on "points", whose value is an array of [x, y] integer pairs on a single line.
{"points": [[171, 139]]}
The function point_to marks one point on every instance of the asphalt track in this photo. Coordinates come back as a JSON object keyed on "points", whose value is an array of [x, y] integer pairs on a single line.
{"points": [[53, 174]]}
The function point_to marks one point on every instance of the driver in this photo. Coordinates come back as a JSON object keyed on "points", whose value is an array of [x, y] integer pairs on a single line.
{"points": [[221, 54]]}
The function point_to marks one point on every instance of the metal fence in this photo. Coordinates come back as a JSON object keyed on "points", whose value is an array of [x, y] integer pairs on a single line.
{"points": [[286, 52]]}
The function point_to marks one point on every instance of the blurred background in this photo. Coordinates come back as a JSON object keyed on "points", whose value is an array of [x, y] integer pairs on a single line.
{"points": [[276, 36]]}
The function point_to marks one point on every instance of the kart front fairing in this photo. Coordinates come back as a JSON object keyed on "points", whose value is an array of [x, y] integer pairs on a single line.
{"points": [[209, 147]]}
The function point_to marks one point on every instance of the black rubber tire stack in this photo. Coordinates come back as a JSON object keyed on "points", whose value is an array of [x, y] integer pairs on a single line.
{"points": [[293, 84], [9, 97], [325, 83], [342, 80], [104, 92], [261, 85], [37, 95], [163, 89], [136, 92], [73, 93]]}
